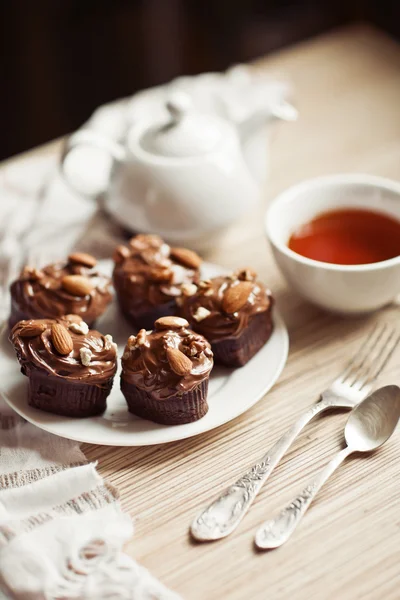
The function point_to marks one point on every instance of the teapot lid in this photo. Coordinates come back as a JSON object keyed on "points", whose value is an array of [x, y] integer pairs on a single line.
{"points": [[185, 134]]}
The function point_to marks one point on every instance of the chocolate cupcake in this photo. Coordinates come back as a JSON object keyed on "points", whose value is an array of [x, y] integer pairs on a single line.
{"points": [[68, 287], [165, 373], [70, 368], [148, 278], [234, 314]]}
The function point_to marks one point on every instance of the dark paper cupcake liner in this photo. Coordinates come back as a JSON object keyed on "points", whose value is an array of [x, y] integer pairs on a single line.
{"points": [[70, 399], [176, 410], [236, 352]]}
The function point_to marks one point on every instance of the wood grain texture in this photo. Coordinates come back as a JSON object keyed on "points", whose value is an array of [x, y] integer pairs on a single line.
{"points": [[347, 89]]}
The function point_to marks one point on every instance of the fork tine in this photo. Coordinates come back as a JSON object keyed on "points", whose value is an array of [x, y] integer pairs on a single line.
{"points": [[372, 374], [361, 356]]}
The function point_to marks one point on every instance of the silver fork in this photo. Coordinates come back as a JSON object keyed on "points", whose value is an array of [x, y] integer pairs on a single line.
{"points": [[222, 517]]}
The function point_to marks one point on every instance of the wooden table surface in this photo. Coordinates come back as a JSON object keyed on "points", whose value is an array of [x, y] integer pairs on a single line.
{"points": [[347, 89]]}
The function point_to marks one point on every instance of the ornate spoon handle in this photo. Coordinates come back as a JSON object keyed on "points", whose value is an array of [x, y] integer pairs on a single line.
{"points": [[222, 517], [275, 532]]}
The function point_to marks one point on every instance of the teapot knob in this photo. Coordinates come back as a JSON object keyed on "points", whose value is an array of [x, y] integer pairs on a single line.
{"points": [[178, 105]]}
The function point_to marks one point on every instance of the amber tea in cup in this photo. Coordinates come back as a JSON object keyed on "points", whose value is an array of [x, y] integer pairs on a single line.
{"points": [[349, 236]]}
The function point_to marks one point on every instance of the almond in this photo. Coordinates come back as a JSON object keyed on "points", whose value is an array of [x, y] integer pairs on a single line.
{"points": [[32, 330], [186, 257], [179, 362], [77, 285], [170, 323], [81, 258], [120, 254], [236, 296], [62, 341]]}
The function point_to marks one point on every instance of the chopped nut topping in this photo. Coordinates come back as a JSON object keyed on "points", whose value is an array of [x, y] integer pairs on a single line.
{"points": [[32, 274], [80, 327], [109, 342], [141, 338], [189, 289], [205, 283], [178, 274], [153, 258], [165, 250], [121, 253], [161, 274], [246, 274], [86, 356], [131, 341], [201, 313], [195, 348], [142, 241], [73, 318]]}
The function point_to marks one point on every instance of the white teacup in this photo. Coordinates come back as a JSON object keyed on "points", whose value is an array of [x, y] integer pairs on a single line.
{"points": [[351, 289]]}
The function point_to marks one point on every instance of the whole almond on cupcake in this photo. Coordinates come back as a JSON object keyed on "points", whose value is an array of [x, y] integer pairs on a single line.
{"points": [[165, 373], [73, 286], [233, 312], [148, 278], [70, 367]]}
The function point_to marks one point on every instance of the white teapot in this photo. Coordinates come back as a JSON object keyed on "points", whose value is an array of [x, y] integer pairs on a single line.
{"points": [[182, 174]]}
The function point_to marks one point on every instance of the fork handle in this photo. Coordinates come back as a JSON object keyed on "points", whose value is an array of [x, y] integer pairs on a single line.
{"points": [[223, 515], [277, 531]]}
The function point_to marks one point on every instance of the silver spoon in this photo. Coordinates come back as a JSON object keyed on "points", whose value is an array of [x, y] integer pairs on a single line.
{"points": [[369, 426]]}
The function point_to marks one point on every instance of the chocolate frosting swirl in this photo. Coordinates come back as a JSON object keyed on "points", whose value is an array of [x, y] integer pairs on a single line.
{"points": [[37, 352], [149, 273], [40, 294], [147, 361], [204, 307]]}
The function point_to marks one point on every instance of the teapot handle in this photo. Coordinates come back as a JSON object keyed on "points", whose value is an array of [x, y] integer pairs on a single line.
{"points": [[88, 138]]}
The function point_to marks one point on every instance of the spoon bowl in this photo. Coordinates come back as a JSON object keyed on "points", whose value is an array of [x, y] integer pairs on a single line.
{"points": [[369, 426], [374, 420]]}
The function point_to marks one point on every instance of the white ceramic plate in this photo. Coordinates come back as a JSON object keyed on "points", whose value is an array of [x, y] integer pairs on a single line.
{"points": [[231, 392]]}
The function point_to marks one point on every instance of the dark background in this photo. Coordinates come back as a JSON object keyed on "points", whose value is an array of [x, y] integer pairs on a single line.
{"points": [[63, 58]]}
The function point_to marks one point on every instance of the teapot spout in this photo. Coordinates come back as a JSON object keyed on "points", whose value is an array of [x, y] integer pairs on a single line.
{"points": [[284, 111]]}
